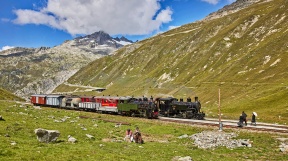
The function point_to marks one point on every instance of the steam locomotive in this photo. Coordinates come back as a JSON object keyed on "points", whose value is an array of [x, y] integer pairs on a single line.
{"points": [[126, 106]]}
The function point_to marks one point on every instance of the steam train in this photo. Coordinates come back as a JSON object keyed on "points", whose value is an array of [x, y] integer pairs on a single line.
{"points": [[126, 106]]}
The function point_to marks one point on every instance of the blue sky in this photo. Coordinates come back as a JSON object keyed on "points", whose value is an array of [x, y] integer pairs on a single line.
{"points": [[36, 23]]}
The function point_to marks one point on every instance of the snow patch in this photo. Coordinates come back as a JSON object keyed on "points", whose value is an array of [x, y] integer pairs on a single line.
{"points": [[123, 42]]}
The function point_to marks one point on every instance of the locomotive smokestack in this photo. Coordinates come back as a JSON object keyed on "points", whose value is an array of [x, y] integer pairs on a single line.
{"points": [[196, 99], [151, 98], [181, 99], [188, 99]]}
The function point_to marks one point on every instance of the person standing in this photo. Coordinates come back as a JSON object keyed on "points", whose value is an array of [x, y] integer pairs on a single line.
{"points": [[244, 115], [253, 121]]}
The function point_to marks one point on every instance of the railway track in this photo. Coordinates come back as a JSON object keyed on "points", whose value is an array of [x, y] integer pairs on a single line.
{"points": [[230, 124]]}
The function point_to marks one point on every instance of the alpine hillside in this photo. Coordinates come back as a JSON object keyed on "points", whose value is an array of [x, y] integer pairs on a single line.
{"points": [[240, 51], [25, 71]]}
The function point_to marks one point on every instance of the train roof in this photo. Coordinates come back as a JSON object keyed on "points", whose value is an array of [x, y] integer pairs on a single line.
{"points": [[38, 95]]}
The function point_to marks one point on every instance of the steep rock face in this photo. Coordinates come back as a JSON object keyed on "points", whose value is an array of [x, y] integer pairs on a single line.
{"points": [[27, 70]]}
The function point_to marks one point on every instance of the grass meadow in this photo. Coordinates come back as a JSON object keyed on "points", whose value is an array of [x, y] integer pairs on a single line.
{"points": [[161, 142]]}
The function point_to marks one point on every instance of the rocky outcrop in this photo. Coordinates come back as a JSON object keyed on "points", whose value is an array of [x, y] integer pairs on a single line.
{"points": [[47, 136]]}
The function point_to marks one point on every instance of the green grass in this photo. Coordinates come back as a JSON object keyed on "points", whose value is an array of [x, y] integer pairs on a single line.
{"points": [[161, 142], [5, 95]]}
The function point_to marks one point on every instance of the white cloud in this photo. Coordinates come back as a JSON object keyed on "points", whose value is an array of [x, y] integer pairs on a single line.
{"points": [[6, 48], [88, 16], [211, 1]]}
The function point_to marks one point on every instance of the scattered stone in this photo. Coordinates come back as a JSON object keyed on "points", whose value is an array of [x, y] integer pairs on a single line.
{"points": [[179, 158], [13, 143], [83, 128], [95, 125], [101, 145], [118, 125], [47, 136], [21, 113], [52, 117], [71, 139], [7, 135], [283, 147], [63, 119], [37, 107], [90, 136], [212, 139], [183, 136]]}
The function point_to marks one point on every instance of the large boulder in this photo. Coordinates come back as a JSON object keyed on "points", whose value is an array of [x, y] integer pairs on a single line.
{"points": [[46, 136]]}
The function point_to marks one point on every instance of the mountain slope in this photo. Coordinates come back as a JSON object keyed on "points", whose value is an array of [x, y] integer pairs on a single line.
{"points": [[242, 52], [5, 95], [25, 71]]}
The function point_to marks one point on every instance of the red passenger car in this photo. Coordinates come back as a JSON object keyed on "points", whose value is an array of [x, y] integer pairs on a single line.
{"points": [[38, 99], [108, 103], [87, 98]]}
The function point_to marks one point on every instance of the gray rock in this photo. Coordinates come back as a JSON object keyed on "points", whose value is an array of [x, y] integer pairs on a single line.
{"points": [[47, 136], [183, 136], [13, 143], [179, 158], [90, 136], [71, 139]]}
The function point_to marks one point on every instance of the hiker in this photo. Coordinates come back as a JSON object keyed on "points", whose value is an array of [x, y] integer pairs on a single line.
{"points": [[128, 135], [253, 121], [244, 117]]}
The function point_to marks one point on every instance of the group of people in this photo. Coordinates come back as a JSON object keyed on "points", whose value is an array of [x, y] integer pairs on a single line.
{"points": [[133, 137], [243, 119]]}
